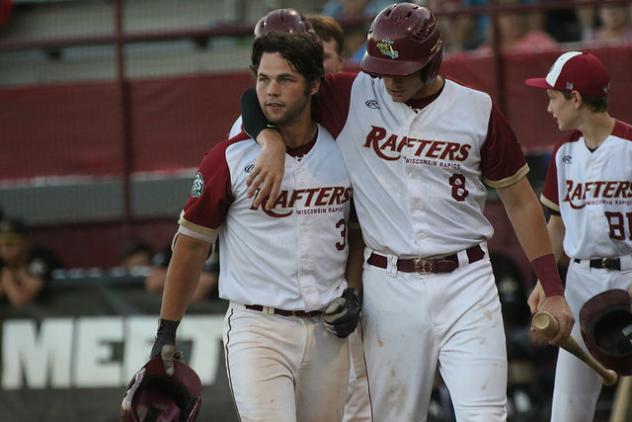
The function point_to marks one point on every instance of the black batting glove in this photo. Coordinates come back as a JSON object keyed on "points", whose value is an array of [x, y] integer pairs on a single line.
{"points": [[342, 315], [165, 344]]}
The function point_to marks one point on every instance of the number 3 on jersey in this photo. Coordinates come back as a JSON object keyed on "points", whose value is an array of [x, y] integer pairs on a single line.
{"points": [[457, 182], [342, 225]]}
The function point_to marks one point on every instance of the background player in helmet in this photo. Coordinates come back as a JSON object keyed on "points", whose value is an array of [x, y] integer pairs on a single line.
{"points": [[280, 268], [418, 148], [333, 39], [588, 190]]}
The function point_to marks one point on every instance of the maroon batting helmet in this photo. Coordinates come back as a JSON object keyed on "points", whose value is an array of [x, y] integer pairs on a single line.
{"points": [[283, 20], [606, 326], [403, 39], [152, 395]]}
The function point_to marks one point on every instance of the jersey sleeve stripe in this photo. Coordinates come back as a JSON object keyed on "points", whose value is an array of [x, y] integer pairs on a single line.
{"points": [[548, 203], [196, 228], [508, 181]]}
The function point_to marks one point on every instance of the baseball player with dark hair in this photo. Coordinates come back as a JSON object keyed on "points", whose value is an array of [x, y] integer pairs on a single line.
{"points": [[588, 190], [283, 270], [419, 149], [331, 36], [287, 21]]}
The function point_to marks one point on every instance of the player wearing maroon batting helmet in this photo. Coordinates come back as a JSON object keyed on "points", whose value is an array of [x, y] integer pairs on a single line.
{"points": [[588, 190], [420, 149]]}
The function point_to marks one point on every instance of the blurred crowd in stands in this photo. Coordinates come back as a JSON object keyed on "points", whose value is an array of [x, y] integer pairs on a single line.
{"points": [[27, 268], [518, 31]]}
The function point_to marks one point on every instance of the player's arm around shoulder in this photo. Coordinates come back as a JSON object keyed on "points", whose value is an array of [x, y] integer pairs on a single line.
{"points": [[526, 216]]}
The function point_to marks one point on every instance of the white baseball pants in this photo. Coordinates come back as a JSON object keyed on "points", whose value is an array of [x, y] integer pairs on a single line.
{"points": [[284, 369]]}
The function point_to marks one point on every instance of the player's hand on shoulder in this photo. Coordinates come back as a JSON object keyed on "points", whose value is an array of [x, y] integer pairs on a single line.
{"points": [[342, 315], [557, 306], [165, 344], [265, 180]]}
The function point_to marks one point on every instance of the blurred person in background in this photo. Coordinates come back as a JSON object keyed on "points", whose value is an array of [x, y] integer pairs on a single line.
{"points": [[517, 30], [470, 30], [333, 39], [452, 27], [346, 9], [136, 254], [355, 33], [207, 285], [564, 24], [521, 31], [24, 270], [615, 24]]}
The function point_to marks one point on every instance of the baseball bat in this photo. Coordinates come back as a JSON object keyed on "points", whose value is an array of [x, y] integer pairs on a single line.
{"points": [[621, 403], [547, 325]]}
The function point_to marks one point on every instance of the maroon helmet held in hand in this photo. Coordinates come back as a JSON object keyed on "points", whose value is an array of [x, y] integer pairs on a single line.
{"points": [[283, 20], [152, 395], [606, 326], [403, 39]]}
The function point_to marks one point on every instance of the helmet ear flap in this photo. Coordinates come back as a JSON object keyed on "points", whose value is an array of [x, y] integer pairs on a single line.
{"points": [[431, 70]]}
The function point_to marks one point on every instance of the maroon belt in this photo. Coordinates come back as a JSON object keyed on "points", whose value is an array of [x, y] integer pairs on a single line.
{"points": [[300, 314], [445, 264]]}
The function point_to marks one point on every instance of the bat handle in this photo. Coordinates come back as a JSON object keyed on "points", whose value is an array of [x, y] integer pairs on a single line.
{"points": [[546, 324]]}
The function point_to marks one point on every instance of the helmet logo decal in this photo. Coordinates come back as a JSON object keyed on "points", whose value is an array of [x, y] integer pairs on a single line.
{"points": [[386, 48]]}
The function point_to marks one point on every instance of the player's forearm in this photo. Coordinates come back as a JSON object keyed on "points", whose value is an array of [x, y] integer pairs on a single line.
{"points": [[526, 216], [182, 276], [353, 272], [556, 230]]}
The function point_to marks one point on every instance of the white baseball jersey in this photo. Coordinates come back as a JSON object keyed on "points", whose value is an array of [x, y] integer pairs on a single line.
{"points": [[592, 191], [292, 257], [357, 407], [424, 165], [417, 171]]}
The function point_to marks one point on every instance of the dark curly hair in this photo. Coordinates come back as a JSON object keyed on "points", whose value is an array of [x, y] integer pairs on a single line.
{"points": [[302, 51]]}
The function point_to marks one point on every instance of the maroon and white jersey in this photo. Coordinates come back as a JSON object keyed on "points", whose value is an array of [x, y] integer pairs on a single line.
{"points": [[292, 257], [424, 164], [592, 191]]}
